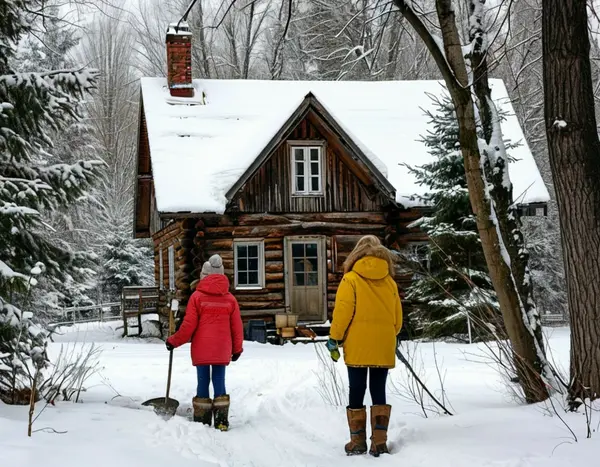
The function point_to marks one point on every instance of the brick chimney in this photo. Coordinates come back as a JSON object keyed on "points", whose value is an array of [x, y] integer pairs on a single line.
{"points": [[179, 60]]}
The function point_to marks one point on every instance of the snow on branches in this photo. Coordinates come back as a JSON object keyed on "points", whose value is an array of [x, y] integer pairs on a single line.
{"points": [[33, 106]]}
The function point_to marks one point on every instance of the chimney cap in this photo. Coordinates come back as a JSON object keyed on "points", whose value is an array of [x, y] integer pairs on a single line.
{"points": [[179, 29]]}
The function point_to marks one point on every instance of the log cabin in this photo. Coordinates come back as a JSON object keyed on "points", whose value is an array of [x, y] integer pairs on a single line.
{"points": [[281, 178]]}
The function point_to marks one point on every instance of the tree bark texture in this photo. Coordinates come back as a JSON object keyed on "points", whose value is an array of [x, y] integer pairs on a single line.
{"points": [[453, 67], [574, 152], [502, 194]]}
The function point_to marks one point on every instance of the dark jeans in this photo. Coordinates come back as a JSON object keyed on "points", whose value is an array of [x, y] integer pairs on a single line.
{"points": [[358, 385], [204, 378]]}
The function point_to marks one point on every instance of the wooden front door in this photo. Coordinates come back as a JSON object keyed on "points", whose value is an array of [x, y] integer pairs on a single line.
{"points": [[306, 278]]}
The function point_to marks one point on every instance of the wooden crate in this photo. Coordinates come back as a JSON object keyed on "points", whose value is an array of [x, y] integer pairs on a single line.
{"points": [[286, 320], [288, 332]]}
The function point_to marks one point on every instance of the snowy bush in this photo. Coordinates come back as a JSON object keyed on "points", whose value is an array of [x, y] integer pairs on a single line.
{"points": [[73, 366], [22, 353], [331, 387], [410, 383]]}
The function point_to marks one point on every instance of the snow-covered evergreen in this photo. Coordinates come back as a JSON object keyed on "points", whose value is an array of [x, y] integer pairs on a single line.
{"points": [[53, 48], [124, 261], [456, 282], [33, 107]]}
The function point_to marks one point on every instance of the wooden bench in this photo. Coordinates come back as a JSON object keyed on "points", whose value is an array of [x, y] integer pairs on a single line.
{"points": [[137, 301]]}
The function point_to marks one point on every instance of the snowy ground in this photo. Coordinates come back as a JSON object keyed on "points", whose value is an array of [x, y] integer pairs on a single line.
{"points": [[278, 417]]}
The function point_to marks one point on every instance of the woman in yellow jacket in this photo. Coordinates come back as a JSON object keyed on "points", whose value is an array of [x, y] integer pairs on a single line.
{"points": [[366, 321]]}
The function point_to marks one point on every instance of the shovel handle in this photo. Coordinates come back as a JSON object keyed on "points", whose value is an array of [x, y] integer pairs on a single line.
{"points": [[169, 376], [171, 329]]}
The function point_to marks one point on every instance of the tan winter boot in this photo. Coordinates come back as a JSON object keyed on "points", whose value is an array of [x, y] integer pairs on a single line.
{"points": [[203, 408], [221, 409], [380, 420], [357, 422]]}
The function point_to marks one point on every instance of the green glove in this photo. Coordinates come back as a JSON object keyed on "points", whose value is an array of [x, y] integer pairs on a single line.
{"points": [[334, 350]]}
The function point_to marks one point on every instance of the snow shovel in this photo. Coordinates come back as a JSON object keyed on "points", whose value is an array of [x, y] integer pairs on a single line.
{"points": [[165, 407]]}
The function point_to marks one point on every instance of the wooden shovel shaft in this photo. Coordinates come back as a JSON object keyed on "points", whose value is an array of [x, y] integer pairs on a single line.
{"points": [[171, 330], [169, 376]]}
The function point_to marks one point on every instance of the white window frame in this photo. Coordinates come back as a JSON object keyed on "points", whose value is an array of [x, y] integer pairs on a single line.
{"points": [[306, 148], [260, 243], [171, 267]]}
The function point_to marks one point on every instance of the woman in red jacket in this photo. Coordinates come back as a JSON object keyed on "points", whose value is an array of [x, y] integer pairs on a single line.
{"points": [[214, 325]]}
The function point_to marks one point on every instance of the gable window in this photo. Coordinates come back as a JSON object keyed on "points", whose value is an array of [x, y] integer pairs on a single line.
{"points": [[307, 170], [249, 265]]}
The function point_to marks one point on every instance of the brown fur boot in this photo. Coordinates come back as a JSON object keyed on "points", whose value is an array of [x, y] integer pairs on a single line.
{"points": [[221, 408], [203, 409], [357, 422], [380, 420]]}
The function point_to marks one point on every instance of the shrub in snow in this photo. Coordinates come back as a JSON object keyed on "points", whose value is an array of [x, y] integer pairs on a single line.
{"points": [[331, 386], [71, 369], [22, 353], [455, 282]]}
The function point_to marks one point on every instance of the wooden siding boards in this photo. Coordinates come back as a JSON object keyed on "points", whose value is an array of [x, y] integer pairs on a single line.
{"points": [[312, 109], [144, 165], [144, 187], [270, 188]]}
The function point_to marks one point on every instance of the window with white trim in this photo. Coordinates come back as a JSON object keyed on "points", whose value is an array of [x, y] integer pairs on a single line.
{"points": [[307, 170], [249, 265]]}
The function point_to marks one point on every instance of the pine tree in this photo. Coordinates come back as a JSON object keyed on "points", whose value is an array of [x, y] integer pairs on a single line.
{"points": [[49, 49], [125, 262], [456, 282], [33, 105]]}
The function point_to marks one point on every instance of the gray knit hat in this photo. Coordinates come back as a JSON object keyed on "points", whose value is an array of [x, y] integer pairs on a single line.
{"points": [[214, 265]]}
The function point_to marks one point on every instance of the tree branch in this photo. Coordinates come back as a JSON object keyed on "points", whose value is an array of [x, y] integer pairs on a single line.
{"points": [[431, 44]]}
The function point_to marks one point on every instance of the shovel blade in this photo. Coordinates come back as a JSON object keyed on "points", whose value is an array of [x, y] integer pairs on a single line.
{"points": [[164, 408]]}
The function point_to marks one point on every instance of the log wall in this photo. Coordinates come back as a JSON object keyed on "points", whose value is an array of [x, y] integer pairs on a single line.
{"points": [[180, 235], [196, 239], [342, 231]]}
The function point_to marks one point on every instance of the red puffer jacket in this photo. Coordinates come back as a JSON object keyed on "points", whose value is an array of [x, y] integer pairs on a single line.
{"points": [[212, 322]]}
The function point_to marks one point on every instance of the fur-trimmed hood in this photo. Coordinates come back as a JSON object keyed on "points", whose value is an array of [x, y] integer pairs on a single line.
{"points": [[371, 260]]}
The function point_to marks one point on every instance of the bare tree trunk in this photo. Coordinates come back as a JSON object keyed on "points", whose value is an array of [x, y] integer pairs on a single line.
{"points": [[248, 42], [453, 67], [202, 41], [393, 46], [574, 151]]}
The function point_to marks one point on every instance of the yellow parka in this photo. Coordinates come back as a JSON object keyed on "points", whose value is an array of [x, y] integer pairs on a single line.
{"points": [[368, 315]]}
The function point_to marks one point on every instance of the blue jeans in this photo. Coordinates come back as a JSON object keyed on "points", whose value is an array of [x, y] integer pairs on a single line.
{"points": [[204, 378], [357, 377]]}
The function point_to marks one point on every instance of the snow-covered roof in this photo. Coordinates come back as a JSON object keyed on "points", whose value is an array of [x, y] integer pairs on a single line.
{"points": [[200, 151]]}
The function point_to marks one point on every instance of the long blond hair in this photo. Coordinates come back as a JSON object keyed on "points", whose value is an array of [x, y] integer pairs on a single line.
{"points": [[369, 245]]}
